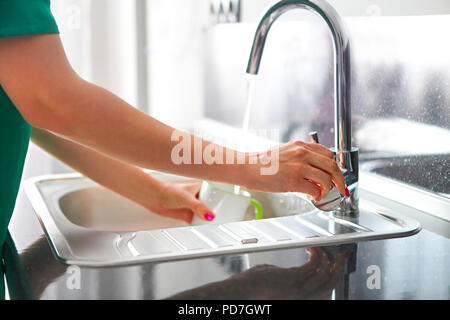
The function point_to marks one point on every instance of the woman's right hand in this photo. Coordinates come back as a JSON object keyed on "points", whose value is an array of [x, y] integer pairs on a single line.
{"points": [[302, 167]]}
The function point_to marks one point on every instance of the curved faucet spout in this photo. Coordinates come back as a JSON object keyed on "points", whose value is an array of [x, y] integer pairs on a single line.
{"points": [[345, 154], [341, 57]]}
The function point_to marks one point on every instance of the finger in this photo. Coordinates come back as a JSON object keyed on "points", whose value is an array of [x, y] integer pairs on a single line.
{"points": [[318, 148], [308, 187], [337, 176], [200, 209], [186, 199], [331, 167], [320, 177], [192, 187], [179, 214]]}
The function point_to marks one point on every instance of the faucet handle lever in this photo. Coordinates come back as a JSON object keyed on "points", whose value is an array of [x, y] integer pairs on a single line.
{"points": [[314, 136], [333, 199]]}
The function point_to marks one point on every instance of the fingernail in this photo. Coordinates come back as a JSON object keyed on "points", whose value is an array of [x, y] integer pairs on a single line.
{"points": [[209, 216], [347, 193]]}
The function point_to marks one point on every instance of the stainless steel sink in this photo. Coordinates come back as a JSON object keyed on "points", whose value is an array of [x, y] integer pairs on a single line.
{"points": [[98, 208], [88, 225]]}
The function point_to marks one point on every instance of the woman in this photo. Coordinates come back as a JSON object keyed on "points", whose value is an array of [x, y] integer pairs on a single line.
{"points": [[104, 138]]}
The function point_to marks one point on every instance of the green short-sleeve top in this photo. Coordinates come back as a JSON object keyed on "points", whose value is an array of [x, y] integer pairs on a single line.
{"points": [[17, 18]]}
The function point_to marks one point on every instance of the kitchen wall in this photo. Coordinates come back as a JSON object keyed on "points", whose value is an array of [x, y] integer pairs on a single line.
{"points": [[251, 9], [175, 55], [148, 52], [99, 38]]}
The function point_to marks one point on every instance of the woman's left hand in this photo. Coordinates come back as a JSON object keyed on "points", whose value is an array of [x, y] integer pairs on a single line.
{"points": [[179, 200]]}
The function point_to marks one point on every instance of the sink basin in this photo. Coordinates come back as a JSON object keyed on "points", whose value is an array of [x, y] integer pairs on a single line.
{"points": [[88, 225], [98, 208]]}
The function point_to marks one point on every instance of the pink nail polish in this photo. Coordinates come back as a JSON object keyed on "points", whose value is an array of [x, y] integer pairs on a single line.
{"points": [[209, 216], [347, 193]]}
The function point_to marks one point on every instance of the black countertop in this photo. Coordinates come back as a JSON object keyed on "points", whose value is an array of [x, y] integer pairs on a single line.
{"points": [[415, 267]]}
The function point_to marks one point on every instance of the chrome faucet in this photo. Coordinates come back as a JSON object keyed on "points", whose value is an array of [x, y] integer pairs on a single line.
{"points": [[345, 154]]}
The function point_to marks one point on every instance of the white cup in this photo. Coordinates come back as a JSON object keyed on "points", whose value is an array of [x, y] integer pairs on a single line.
{"points": [[227, 202]]}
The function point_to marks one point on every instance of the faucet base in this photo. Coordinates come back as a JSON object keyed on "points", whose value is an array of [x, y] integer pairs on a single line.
{"points": [[348, 161]]}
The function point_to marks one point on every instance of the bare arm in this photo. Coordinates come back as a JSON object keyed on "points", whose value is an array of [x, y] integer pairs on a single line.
{"points": [[37, 77], [58, 100], [129, 181]]}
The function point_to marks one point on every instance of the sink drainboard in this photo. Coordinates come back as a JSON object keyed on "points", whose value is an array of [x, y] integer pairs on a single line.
{"points": [[314, 228], [83, 246]]}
